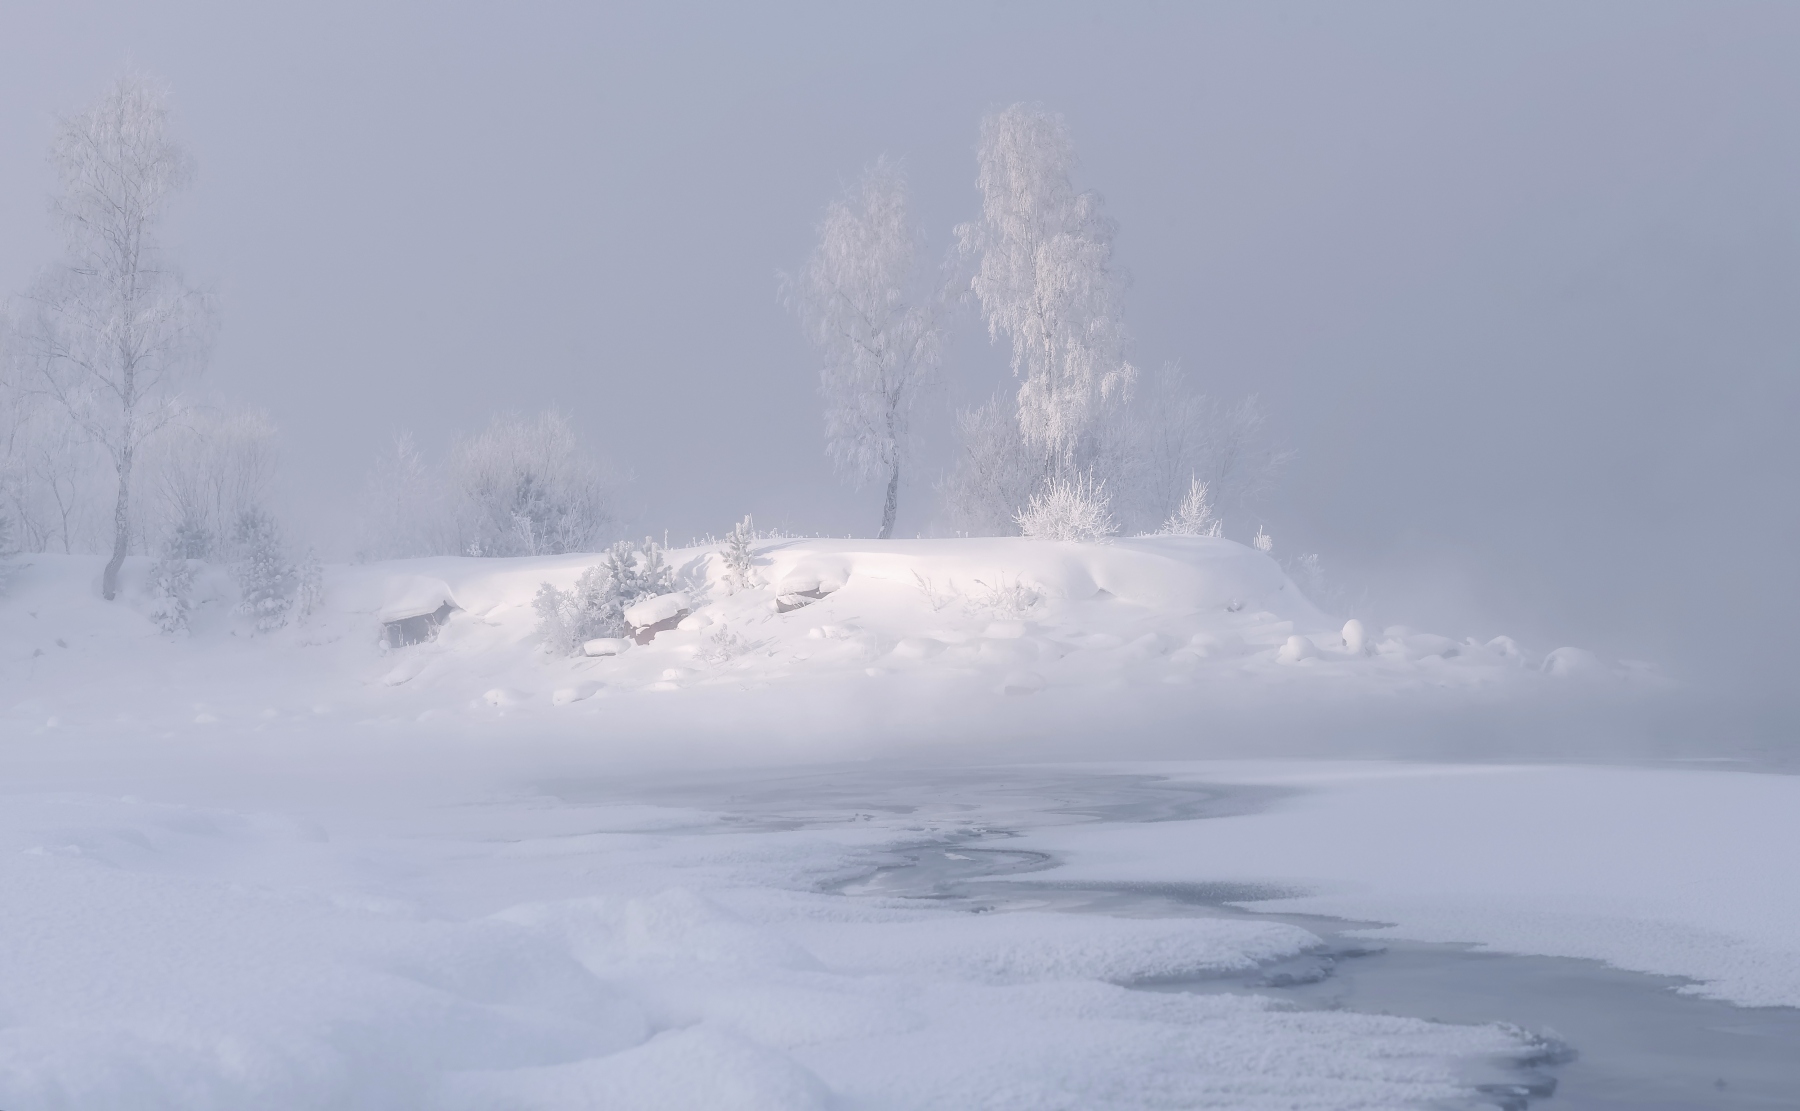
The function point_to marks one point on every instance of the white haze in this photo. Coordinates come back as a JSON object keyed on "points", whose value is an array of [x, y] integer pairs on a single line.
{"points": [[1517, 284]]}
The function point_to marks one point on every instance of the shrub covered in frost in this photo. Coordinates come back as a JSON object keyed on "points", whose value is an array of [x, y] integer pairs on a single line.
{"points": [[567, 619], [171, 590], [1308, 573], [1262, 541], [266, 580], [190, 539], [527, 487], [1068, 509]]}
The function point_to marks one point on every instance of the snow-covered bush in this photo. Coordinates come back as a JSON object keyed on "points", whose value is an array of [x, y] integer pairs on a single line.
{"points": [[522, 486], [567, 619], [1194, 516], [1262, 541], [266, 578], [994, 472], [627, 574], [1308, 573], [207, 469], [171, 591], [1004, 598], [739, 560], [526, 487], [723, 646], [1068, 509]]}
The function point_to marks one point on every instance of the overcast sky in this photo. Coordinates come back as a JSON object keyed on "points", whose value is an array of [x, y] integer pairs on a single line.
{"points": [[1516, 281]]}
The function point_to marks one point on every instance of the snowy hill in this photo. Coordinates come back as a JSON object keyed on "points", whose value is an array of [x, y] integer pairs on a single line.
{"points": [[840, 636]]}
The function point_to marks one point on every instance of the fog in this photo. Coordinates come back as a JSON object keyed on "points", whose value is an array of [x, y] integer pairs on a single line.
{"points": [[1515, 283]]}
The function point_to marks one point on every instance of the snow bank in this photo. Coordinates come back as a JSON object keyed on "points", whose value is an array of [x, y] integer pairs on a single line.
{"points": [[869, 640]]}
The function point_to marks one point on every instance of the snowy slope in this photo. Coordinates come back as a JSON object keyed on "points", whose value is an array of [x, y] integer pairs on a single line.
{"points": [[930, 636]]}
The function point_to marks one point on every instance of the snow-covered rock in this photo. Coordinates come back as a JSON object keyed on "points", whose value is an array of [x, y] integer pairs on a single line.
{"points": [[408, 596], [653, 611], [1296, 649]]}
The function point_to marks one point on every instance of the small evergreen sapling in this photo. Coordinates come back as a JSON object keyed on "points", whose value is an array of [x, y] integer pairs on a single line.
{"points": [[1194, 516], [637, 573], [740, 562], [567, 619], [171, 590], [266, 580]]}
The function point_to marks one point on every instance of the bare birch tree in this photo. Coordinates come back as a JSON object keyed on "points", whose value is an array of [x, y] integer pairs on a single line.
{"points": [[113, 330], [863, 301]]}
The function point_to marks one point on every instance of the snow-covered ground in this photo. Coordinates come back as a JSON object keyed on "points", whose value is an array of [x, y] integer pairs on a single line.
{"points": [[909, 639], [301, 870]]}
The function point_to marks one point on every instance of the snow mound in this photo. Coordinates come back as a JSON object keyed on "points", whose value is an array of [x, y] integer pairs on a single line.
{"points": [[414, 596], [939, 633]]}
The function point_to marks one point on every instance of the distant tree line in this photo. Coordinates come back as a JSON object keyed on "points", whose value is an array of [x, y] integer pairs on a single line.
{"points": [[106, 446]]}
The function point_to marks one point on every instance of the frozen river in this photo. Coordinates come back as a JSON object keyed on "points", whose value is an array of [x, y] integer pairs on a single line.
{"points": [[529, 933], [1611, 1039]]}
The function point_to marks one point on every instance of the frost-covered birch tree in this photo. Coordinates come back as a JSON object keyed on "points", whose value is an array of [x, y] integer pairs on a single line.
{"points": [[863, 302], [113, 330], [1043, 276], [405, 507]]}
